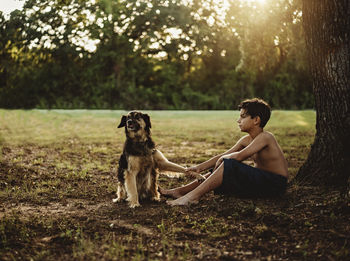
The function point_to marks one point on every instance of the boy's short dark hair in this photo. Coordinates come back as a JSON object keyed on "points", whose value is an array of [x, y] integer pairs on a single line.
{"points": [[257, 107]]}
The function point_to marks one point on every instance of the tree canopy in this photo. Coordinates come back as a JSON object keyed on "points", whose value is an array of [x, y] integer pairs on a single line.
{"points": [[179, 54]]}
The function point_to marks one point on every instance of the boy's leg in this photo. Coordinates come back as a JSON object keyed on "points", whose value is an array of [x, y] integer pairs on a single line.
{"points": [[180, 191], [211, 183]]}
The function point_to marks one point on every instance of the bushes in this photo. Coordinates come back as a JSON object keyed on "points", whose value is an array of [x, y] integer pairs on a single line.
{"points": [[44, 90]]}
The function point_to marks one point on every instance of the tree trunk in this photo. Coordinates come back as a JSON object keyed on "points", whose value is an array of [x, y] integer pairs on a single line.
{"points": [[327, 26]]}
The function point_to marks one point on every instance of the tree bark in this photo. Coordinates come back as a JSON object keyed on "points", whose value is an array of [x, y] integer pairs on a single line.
{"points": [[327, 26]]}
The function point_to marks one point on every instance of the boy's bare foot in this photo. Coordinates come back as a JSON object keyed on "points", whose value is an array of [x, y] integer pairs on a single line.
{"points": [[169, 192], [183, 201]]}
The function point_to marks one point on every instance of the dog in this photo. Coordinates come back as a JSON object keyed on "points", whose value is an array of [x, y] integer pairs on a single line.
{"points": [[140, 162]]}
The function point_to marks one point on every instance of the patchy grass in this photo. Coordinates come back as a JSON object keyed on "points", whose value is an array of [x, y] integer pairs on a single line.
{"points": [[57, 179]]}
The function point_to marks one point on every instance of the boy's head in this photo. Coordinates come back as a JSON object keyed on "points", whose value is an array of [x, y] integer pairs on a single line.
{"points": [[257, 107]]}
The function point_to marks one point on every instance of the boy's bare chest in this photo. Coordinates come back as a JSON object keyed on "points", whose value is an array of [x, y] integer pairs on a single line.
{"points": [[261, 155], [253, 157]]}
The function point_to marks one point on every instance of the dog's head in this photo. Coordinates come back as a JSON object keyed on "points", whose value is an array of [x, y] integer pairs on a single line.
{"points": [[136, 123]]}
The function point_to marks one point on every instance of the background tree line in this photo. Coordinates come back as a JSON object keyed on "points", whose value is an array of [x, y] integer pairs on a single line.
{"points": [[156, 54]]}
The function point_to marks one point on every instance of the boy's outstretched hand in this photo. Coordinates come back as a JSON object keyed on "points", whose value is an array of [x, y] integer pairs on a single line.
{"points": [[194, 169]]}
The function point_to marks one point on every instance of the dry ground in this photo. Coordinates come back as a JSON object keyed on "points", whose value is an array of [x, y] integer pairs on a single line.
{"points": [[55, 204]]}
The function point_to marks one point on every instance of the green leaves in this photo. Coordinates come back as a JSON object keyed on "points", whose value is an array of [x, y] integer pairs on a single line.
{"points": [[169, 54]]}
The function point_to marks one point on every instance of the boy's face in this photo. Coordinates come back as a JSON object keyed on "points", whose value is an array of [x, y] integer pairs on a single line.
{"points": [[245, 121]]}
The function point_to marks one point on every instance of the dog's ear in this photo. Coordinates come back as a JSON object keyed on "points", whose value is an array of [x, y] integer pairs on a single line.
{"points": [[122, 122], [147, 120]]}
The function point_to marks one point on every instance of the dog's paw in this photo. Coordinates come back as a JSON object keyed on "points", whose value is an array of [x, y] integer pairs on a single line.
{"points": [[200, 177], [156, 198], [134, 204], [116, 200], [197, 176]]}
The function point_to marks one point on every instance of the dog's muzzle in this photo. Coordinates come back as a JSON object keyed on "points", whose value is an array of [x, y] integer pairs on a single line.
{"points": [[132, 125]]}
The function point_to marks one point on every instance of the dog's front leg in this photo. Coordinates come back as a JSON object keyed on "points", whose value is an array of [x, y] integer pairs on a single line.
{"points": [[131, 189], [153, 185], [164, 164], [121, 194]]}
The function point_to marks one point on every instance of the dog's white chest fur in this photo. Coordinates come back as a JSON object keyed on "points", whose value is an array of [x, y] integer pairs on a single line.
{"points": [[140, 180], [141, 167], [138, 164]]}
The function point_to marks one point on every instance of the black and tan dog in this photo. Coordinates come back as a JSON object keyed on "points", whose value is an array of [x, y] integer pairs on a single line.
{"points": [[140, 161]]}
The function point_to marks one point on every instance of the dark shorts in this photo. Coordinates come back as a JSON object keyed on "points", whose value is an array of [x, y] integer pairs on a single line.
{"points": [[246, 181]]}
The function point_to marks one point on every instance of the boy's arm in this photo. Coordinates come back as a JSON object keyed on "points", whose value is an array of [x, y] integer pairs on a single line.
{"points": [[260, 142], [211, 162]]}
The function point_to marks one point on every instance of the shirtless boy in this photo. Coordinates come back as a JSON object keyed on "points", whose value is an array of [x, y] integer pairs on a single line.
{"points": [[229, 175]]}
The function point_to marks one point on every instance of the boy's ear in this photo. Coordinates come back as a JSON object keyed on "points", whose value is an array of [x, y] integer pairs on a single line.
{"points": [[257, 120], [122, 122], [147, 120]]}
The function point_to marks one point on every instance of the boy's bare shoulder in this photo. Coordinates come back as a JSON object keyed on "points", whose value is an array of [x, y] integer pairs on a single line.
{"points": [[245, 140], [268, 136]]}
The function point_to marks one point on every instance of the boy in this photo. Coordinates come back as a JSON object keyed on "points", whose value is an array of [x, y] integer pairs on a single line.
{"points": [[229, 176]]}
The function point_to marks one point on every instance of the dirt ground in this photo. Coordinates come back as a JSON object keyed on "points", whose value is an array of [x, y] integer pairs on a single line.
{"points": [[56, 204]]}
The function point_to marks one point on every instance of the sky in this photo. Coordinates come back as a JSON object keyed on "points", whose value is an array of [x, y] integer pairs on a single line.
{"points": [[7, 6]]}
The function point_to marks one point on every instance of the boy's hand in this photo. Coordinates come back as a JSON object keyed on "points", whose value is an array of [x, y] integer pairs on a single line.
{"points": [[194, 169]]}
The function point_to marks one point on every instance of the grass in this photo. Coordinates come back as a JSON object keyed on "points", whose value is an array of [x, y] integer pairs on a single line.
{"points": [[43, 127], [58, 176], [182, 131]]}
